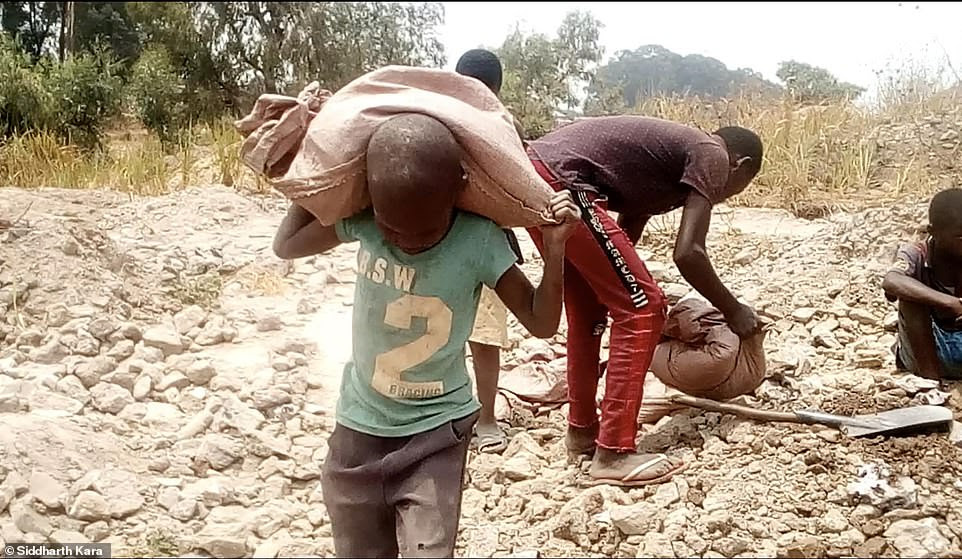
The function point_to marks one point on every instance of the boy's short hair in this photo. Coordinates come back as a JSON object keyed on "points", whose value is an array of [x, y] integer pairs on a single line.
{"points": [[483, 65], [742, 142], [413, 156], [945, 209]]}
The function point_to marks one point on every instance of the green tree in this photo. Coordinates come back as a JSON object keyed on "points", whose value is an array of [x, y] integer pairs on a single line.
{"points": [[184, 61], [256, 37], [542, 74], [653, 71], [750, 81], [210, 86], [156, 92], [38, 26], [106, 24], [73, 99], [24, 99], [604, 98], [531, 88], [339, 41], [578, 51], [811, 84], [228, 53], [281, 45], [34, 25], [85, 92]]}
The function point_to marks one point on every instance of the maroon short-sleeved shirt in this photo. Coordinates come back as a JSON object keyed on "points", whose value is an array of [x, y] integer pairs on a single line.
{"points": [[645, 166], [912, 259]]}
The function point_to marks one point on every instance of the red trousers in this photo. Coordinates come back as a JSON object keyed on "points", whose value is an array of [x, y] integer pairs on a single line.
{"points": [[604, 274]]}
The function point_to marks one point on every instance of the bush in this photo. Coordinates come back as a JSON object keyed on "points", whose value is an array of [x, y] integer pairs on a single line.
{"points": [[74, 99], [156, 93], [24, 101], [85, 92]]}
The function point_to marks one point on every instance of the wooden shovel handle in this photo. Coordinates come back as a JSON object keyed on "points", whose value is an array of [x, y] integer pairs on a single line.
{"points": [[742, 411]]}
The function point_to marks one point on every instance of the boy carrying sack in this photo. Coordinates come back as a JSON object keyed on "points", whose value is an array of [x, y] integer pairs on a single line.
{"points": [[392, 478]]}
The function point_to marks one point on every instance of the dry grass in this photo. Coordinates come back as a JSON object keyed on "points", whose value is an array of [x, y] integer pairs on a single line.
{"points": [[201, 290], [263, 280], [226, 143], [38, 159], [133, 161], [822, 158]]}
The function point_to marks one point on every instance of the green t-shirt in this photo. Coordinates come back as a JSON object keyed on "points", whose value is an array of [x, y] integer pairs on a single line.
{"points": [[413, 314]]}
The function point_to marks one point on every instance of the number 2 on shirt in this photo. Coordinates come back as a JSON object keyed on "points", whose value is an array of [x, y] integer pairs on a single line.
{"points": [[390, 365]]}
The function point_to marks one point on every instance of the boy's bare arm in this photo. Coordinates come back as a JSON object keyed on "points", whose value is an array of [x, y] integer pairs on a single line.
{"points": [[907, 288], [539, 310], [691, 259], [300, 234]]}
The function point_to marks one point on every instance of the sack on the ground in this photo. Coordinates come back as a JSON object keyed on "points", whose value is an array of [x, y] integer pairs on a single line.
{"points": [[313, 148], [534, 385], [656, 401], [655, 398], [699, 356], [702, 357]]}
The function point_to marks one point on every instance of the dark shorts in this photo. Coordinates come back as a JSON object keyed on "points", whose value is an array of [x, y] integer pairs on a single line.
{"points": [[948, 347], [389, 495]]}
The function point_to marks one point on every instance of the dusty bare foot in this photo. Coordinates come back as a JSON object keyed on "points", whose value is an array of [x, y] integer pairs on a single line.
{"points": [[581, 440], [631, 469]]}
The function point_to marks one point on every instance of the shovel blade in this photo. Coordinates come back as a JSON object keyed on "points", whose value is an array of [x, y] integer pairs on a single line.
{"points": [[902, 420]]}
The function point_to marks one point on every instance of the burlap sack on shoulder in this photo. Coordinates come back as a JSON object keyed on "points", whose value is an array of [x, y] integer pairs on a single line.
{"points": [[313, 148], [702, 357]]}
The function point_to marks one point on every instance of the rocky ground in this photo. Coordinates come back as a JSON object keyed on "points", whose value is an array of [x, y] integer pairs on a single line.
{"points": [[167, 385]]}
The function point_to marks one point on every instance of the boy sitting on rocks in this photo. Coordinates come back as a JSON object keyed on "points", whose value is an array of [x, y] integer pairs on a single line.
{"points": [[393, 474], [926, 280]]}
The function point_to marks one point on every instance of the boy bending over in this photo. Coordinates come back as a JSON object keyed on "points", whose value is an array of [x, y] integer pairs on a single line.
{"points": [[926, 280], [393, 474]]}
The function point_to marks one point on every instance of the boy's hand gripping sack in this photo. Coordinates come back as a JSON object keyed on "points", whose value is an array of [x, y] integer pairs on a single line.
{"points": [[313, 148]]}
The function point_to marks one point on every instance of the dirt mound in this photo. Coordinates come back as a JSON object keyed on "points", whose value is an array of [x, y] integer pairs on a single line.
{"points": [[921, 150]]}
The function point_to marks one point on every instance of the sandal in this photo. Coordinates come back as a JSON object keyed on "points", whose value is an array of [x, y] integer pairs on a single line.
{"points": [[491, 441], [632, 479]]}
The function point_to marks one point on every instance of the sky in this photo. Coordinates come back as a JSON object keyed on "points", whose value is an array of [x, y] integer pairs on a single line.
{"points": [[851, 40]]}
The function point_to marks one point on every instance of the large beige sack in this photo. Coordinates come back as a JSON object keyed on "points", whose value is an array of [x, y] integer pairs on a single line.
{"points": [[699, 355], [702, 357], [313, 148]]}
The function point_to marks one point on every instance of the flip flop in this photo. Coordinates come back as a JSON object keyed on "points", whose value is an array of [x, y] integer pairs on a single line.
{"points": [[492, 442], [631, 480]]}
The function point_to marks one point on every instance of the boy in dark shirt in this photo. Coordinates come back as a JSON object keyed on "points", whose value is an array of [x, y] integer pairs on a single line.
{"points": [[926, 280], [639, 167]]}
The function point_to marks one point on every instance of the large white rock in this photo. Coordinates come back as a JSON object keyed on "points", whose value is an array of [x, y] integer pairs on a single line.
{"points": [[164, 338]]}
